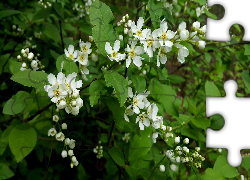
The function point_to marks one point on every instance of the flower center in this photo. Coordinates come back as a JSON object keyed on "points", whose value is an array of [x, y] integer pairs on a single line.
{"points": [[135, 102], [114, 54], [67, 85], [132, 53], [71, 56], [139, 33], [142, 117], [82, 58], [150, 41], [163, 36], [84, 49], [57, 93]]}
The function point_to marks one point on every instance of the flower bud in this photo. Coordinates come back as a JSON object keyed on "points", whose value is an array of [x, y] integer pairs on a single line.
{"points": [[67, 141], [73, 103], [186, 141], [125, 30], [120, 37], [23, 51], [34, 64], [30, 55], [73, 159], [70, 152], [201, 44], [24, 65], [14, 27], [126, 16], [129, 23], [64, 126], [55, 118], [162, 168], [91, 39], [64, 154]]}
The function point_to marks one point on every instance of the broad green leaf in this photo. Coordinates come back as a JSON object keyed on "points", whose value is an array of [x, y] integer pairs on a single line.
{"points": [[59, 10], [211, 89], [95, 92], [247, 49], [6, 13], [120, 85], [201, 122], [210, 15], [17, 103], [6, 133], [139, 83], [22, 140], [246, 78], [3, 60], [211, 174], [81, 172], [116, 154], [52, 32], [207, 57], [70, 67], [246, 162], [14, 66], [217, 122], [196, 135], [221, 165], [140, 145], [101, 17], [175, 79], [5, 171], [43, 13], [36, 79]]}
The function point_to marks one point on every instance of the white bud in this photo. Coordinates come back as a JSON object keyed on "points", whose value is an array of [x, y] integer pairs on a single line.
{"points": [[70, 152], [34, 64], [129, 23], [64, 126], [23, 51], [30, 55], [19, 29], [14, 27], [201, 44], [123, 19], [173, 167], [73, 159], [25, 55], [24, 65], [94, 57], [162, 168], [55, 118], [91, 39], [127, 16], [177, 140], [125, 30], [27, 50], [120, 37], [64, 154], [186, 141], [67, 141], [73, 103]]}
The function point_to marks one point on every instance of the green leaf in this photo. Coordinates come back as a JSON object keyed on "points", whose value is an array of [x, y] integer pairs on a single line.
{"points": [[5, 171], [139, 83], [70, 67], [58, 9], [140, 145], [201, 2], [247, 49], [101, 17], [14, 66], [36, 79], [221, 165], [95, 92], [211, 89], [196, 135], [6, 13], [175, 79], [82, 173], [207, 57], [201, 122], [246, 78], [52, 32], [246, 162], [43, 13], [17, 103], [120, 85], [211, 174], [210, 15], [116, 154], [217, 122], [155, 11], [104, 138], [22, 140]]}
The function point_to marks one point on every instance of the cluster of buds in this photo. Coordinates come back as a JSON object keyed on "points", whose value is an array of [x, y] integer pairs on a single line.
{"points": [[45, 4], [184, 155], [87, 5], [26, 58], [124, 21], [37, 34], [168, 5], [63, 92], [98, 150], [17, 31], [27, 43], [61, 137], [126, 137], [219, 150], [201, 10], [80, 10]]}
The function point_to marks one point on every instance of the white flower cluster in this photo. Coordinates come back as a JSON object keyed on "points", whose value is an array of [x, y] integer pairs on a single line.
{"points": [[37, 34], [28, 44], [63, 92], [161, 40], [98, 150], [26, 58], [82, 56], [46, 4], [201, 10], [80, 10], [182, 154], [61, 137], [124, 21], [126, 137], [17, 31]]}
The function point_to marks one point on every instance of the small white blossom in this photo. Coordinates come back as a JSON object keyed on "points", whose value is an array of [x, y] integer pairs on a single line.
{"points": [[173, 167], [55, 118], [143, 120], [64, 154], [71, 53], [60, 136], [177, 139], [162, 168], [64, 126], [186, 141], [72, 144], [52, 132], [114, 55]]}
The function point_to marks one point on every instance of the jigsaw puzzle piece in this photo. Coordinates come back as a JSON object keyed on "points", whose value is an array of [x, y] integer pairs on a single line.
{"points": [[234, 110], [218, 30]]}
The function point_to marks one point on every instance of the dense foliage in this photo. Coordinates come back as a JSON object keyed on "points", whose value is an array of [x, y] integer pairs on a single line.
{"points": [[114, 90]]}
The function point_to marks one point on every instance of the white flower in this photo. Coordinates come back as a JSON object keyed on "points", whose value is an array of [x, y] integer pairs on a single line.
{"points": [[137, 29], [61, 103], [161, 57], [76, 163], [169, 153], [55, 118], [182, 53], [71, 53], [152, 111], [242, 177], [177, 139], [52, 132], [55, 81], [182, 26], [143, 120], [203, 30], [120, 37], [125, 30], [34, 65], [73, 159], [128, 112], [70, 84], [130, 92], [23, 51], [67, 141], [155, 136], [184, 34], [72, 144], [114, 55], [186, 141], [30, 55], [64, 126], [178, 159], [196, 25], [157, 122], [197, 149], [173, 167], [126, 137], [194, 36], [129, 23], [82, 58], [64, 154], [164, 35], [178, 148], [149, 41], [162, 168], [55, 93], [60, 136], [198, 11], [85, 47], [27, 50], [133, 53], [201, 44], [138, 103], [219, 150], [24, 65], [185, 149], [83, 68]]}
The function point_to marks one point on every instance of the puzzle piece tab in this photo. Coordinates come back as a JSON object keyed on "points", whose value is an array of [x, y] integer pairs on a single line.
{"points": [[236, 12], [236, 113]]}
